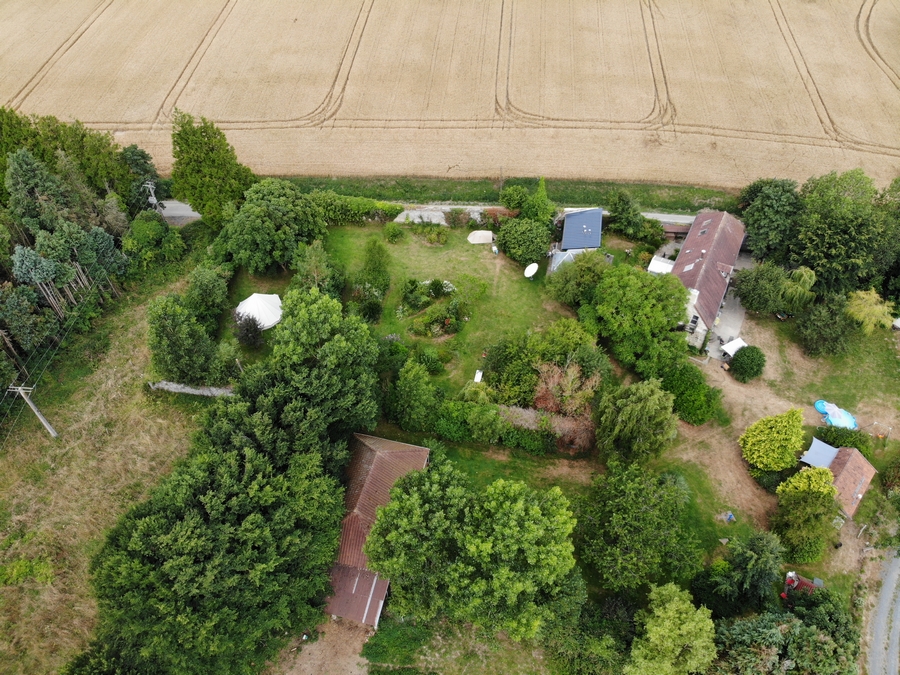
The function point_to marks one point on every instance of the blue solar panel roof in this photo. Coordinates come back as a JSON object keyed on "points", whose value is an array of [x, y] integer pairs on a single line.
{"points": [[582, 229]]}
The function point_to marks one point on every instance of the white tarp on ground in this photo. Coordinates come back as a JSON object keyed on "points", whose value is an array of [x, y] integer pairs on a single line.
{"points": [[660, 265], [732, 347], [264, 308], [481, 237]]}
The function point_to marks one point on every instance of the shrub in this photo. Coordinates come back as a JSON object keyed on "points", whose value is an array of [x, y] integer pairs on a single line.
{"points": [[890, 477], [439, 319], [433, 233], [416, 295], [695, 401], [773, 443], [428, 357], [393, 232], [825, 329], [247, 330], [180, 349], [514, 197], [457, 218], [525, 241], [415, 399], [150, 240], [207, 295], [811, 479], [396, 642], [846, 438], [748, 363]]}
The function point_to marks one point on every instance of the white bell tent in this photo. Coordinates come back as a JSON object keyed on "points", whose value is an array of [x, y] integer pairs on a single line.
{"points": [[266, 309]]}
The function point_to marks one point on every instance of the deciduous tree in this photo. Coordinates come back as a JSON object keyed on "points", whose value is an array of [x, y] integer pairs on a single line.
{"points": [[630, 523], [525, 241], [869, 310], [415, 401], [636, 422], [761, 288], [825, 328], [677, 638], [772, 212], [748, 363], [180, 349]]}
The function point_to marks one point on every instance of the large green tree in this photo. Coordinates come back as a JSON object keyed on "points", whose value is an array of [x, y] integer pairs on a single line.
{"points": [[771, 215], [225, 559], [180, 348], [497, 558], [761, 288], [414, 400], [275, 218], [825, 328], [573, 283], [638, 313], [630, 525], [206, 172], [840, 231], [636, 422], [677, 638]]}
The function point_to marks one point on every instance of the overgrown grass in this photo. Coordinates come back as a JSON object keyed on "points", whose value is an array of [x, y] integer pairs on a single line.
{"points": [[464, 650], [396, 642], [512, 304], [667, 198]]}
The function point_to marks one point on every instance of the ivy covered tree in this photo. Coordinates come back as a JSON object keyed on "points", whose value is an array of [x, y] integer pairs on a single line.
{"points": [[637, 313], [525, 241], [275, 218], [498, 558], [414, 402], [677, 638], [774, 443], [631, 528], [636, 423], [206, 173]]}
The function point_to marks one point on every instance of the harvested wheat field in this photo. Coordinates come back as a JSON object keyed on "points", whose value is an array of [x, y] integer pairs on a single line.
{"points": [[704, 92]]}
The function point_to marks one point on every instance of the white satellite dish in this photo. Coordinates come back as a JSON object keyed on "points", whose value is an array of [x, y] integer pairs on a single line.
{"points": [[531, 270]]}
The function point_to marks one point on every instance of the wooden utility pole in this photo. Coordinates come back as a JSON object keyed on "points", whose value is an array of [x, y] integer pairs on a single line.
{"points": [[23, 392]]}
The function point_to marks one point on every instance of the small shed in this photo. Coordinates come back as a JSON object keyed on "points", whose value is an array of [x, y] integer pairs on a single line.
{"points": [[852, 472], [266, 309], [582, 230]]}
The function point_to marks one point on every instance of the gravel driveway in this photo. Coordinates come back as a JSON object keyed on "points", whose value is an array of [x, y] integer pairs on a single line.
{"points": [[884, 653]]}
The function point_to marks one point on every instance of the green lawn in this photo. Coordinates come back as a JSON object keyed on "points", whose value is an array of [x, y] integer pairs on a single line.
{"points": [[705, 505], [667, 198], [511, 304]]}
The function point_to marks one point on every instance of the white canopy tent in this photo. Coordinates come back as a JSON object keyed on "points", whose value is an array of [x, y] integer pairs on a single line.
{"points": [[732, 347], [266, 309]]}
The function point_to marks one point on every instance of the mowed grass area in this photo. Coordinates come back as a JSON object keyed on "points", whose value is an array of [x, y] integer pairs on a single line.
{"points": [[651, 197], [510, 305]]}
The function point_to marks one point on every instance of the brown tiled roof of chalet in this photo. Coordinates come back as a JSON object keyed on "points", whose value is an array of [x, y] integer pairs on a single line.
{"points": [[720, 235], [852, 476], [375, 466]]}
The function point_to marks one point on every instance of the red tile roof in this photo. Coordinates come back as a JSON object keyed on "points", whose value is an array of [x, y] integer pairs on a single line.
{"points": [[375, 466], [707, 257], [852, 476]]}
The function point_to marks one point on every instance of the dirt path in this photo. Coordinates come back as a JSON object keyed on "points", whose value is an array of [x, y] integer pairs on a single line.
{"points": [[336, 652]]}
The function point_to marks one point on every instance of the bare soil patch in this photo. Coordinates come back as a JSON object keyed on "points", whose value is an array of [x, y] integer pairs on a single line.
{"points": [[336, 652]]}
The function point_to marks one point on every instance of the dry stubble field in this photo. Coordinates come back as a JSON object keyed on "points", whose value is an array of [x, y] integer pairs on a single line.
{"points": [[706, 92]]}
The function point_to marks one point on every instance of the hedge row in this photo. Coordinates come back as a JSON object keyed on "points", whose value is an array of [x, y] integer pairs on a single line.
{"points": [[341, 210], [463, 422]]}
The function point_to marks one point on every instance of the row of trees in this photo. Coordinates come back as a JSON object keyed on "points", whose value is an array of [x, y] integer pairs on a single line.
{"points": [[230, 555]]}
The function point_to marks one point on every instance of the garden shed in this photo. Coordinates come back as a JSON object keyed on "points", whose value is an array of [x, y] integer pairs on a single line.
{"points": [[376, 464], [852, 472]]}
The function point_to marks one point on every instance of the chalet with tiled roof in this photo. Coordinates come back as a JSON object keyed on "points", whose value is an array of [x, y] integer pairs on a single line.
{"points": [[376, 465], [705, 264]]}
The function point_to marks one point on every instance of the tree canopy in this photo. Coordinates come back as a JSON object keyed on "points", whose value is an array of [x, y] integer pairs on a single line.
{"points": [[206, 172], [774, 443], [638, 313], [761, 288], [748, 363], [496, 558], [677, 638], [630, 523], [525, 241], [771, 218], [636, 422], [275, 218]]}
